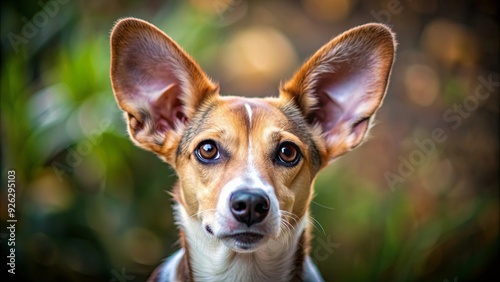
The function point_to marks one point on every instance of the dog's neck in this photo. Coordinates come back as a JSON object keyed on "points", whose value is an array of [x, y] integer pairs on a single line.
{"points": [[209, 259]]}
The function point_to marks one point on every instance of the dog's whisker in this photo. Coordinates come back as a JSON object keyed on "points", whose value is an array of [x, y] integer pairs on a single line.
{"points": [[182, 221], [201, 212], [284, 226], [323, 206], [316, 223], [290, 225], [291, 216]]}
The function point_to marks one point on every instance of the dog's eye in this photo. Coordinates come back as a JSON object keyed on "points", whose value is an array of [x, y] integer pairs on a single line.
{"points": [[207, 151], [288, 154]]}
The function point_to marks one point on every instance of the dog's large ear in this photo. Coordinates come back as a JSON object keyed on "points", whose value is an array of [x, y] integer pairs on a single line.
{"points": [[342, 85], [155, 82]]}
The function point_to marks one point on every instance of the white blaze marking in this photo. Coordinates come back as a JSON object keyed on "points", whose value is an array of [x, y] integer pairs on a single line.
{"points": [[249, 111], [250, 157]]}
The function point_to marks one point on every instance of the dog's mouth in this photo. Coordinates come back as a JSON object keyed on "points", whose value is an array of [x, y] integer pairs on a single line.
{"points": [[244, 241]]}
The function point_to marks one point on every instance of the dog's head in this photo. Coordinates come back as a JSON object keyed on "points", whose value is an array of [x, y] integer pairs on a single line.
{"points": [[246, 166]]}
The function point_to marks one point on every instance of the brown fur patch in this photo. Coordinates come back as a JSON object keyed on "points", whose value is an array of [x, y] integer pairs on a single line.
{"points": [[184, 271]]}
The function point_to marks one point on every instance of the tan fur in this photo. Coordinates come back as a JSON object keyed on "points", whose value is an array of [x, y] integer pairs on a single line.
{"points": [[227, 123]]}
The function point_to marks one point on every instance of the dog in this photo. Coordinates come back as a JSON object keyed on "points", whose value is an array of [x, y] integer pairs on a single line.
{"points": [[246, 166]]}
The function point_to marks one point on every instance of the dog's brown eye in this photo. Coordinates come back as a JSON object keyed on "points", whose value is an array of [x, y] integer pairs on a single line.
{"points": [[207, 151], [288, 154]]}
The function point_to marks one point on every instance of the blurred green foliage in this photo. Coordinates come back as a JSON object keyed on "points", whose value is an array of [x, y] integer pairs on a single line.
{"points": [[92, 206]]}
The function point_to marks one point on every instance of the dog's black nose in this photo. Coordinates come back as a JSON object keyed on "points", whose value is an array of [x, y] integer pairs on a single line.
{"points": [[249, 206]]}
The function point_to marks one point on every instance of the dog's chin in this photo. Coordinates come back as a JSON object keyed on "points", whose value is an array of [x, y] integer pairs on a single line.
{"points": [[244, 242]]}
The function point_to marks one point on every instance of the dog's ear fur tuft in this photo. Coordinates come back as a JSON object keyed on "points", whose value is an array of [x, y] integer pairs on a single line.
{"points": [[342, 85], [155, 82]]}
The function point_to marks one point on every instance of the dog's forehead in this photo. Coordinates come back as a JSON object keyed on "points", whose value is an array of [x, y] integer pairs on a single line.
{"points": [[232, 115], [250, 111]]}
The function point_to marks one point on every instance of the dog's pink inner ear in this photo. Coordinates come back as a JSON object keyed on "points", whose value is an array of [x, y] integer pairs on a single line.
{"points": [[343, 84], [337, 93], [346, 98], [155, 96], [145, 79], [167, 110], [154, 81]]}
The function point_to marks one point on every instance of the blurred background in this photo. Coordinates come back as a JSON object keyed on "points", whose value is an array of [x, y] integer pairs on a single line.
{"points": [[418, 202]]}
